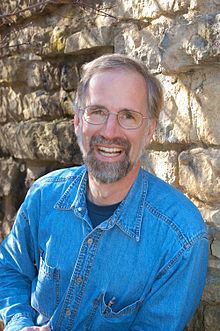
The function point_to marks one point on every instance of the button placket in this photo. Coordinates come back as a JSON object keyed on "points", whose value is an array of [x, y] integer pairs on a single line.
{"points": [[83, 266]]}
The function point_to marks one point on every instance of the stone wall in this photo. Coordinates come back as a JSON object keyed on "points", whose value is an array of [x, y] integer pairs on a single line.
{"points": [[42, 47]]}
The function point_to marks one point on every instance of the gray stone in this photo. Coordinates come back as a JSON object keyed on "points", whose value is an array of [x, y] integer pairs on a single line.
{"points": [[216, 248], [212, 317], [212, 288]]}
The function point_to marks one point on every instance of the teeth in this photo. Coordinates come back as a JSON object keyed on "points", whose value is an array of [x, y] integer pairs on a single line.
{"points": [[110, 150]]}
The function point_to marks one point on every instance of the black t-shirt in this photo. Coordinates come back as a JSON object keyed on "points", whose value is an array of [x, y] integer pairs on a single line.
{"points": [[98, 214]]}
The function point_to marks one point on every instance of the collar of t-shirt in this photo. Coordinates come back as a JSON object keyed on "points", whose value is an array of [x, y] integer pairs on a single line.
{"points": [[98, 214]]}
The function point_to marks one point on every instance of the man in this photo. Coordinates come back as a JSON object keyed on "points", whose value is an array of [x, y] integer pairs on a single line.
{"points": [[105, 246]]}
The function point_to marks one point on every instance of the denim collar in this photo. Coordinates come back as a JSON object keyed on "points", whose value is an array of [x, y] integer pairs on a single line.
{"points": [[128, 216]]}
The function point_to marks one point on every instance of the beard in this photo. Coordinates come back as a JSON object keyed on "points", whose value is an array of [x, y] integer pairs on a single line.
{"points": [[108, 172]]}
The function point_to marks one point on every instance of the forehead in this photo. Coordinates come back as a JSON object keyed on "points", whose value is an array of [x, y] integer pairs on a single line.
{"points": [[118, 85]]}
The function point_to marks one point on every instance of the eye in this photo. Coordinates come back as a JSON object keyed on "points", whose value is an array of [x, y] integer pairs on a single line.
{"points": [[97, 112], [127, 115]]}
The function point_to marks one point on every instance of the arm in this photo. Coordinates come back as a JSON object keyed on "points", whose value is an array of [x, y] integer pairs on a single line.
{"points": [[176, 294], [17, 270]]}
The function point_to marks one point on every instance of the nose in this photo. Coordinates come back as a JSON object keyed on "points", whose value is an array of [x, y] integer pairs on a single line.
{"points": [[111, 127]]}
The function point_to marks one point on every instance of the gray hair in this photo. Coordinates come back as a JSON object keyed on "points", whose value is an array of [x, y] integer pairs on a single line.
{"points": [[119, 61]]}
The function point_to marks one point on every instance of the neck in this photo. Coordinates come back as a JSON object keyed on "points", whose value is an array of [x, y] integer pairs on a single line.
{"points": [[108, 194]]}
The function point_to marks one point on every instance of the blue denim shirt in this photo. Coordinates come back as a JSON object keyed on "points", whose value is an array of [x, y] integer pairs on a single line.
{"points": [[142, 269]]}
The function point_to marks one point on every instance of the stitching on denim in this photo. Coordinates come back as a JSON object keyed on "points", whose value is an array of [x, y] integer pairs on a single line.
{"points": [[91, 315], [185, 247], [60, 202], [57, 180], [168, 221], [125, 311], [20, 315], [69, 297], [24, 216], [135, 233]]}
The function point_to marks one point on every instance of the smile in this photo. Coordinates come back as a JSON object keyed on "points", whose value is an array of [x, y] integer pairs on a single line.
{"points": [[109, 151]]}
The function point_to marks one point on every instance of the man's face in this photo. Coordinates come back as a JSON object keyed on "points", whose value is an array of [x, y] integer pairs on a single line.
{"points": [[110, 151]]}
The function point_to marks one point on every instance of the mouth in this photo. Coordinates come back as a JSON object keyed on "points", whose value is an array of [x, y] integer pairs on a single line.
{"points": [[109, 151]]}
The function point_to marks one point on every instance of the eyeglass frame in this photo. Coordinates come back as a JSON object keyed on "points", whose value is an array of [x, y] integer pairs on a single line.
{"points": [[116, 114]]}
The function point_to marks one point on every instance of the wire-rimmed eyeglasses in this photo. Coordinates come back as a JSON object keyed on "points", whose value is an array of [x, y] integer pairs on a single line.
{"points": [[127, 119]]}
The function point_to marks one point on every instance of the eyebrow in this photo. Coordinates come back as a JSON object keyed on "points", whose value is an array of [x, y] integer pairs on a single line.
{"points": [[101, 106]]}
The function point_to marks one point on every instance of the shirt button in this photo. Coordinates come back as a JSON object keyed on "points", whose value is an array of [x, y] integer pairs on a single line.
{"points": [[89, 241], [79, 279], [68, 312], [79, 208]]}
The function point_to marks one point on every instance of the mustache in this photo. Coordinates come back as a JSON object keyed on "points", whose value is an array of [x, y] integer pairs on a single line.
{"points": [[115, 141]]}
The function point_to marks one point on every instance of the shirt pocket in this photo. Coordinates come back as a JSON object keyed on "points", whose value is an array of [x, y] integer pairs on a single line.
{"points": [[46, 289], [109, 318]]}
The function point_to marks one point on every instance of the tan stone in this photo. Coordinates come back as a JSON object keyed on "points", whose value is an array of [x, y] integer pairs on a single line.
{"points": [[199, 173], [204, 104], [9, 171], [12, 69], [11, 105], [42, 75], [66, 102], [41, 104], [211, 215], [162, 164], [33, 172], [149, 9], [142, 44], [175, 123], [190, 43], [88, 38], [48, 141]]}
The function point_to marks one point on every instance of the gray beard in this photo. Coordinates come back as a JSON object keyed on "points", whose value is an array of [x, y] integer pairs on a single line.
{"points": [[108, 172]]}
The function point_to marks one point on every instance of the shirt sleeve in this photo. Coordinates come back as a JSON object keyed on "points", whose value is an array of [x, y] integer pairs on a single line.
{"points": [[17, 270], [176, 294]]}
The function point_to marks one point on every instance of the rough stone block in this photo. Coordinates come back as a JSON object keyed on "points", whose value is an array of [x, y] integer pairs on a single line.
{"points": [[190, 43], [41, 104], [162, 164], [66, 102], [211, 214], [212, 317], [88, 38], [11, 105], [175, 123], [150, 9], [199, 173], [69, 77], [212, 288], [9, 171], [13, 70], [142, 44], [46, 141], [204, 104], [41, 75]]}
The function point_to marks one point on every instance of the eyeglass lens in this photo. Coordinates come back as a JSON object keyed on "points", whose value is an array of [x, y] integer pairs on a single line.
{"points": [[128, 119]]}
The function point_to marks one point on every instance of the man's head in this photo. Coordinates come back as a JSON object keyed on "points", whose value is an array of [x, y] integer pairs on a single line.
{"points": [[118, 106]]}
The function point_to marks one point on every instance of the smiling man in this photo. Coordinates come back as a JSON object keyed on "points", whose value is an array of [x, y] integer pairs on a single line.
{"points": [[105, 246]]}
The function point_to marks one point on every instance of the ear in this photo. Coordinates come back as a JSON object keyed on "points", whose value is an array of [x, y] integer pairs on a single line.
{"points": [[76, 122], [150, 131]]}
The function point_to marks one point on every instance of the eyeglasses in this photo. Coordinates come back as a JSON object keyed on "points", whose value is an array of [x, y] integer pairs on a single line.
{"points": [[127, 119]]}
